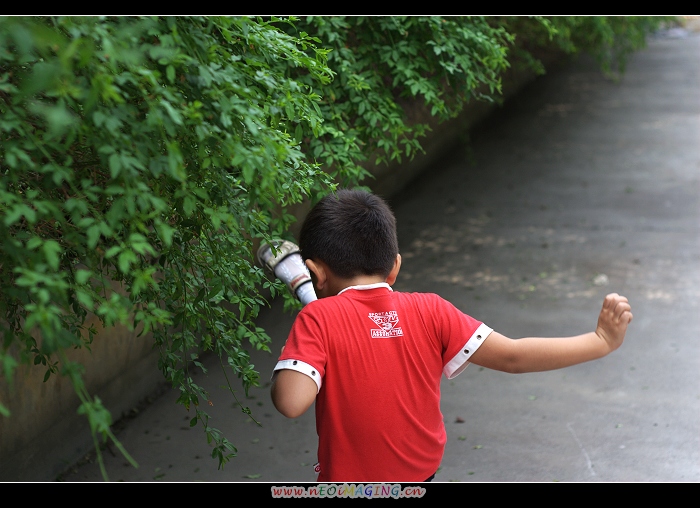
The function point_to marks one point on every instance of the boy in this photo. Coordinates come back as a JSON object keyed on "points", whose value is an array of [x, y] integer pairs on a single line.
{"points": [[372, 358]]}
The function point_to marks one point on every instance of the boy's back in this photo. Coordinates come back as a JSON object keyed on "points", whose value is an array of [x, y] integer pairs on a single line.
{"points": [[381, 355]]}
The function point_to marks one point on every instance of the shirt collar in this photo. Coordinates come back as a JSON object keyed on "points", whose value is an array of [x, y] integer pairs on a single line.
{"points": [[362, 287]]}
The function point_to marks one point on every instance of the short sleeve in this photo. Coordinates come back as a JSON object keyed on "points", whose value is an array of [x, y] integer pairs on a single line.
{"points": [[460, 361], [304, 350], [461, 335], [301, 367]]}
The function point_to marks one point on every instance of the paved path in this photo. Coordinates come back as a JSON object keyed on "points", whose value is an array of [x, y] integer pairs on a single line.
{"points": [[579, 187]]}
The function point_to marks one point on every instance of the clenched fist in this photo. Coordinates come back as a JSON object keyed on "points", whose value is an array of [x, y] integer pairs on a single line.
{"points": [[613, 320]]}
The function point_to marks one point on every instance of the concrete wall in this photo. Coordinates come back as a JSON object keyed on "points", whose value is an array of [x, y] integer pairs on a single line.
{"points": [[45, 435]]}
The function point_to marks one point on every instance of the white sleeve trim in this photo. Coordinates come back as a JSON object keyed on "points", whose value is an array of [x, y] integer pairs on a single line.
{"points": [[456, 365], [302, 367]]}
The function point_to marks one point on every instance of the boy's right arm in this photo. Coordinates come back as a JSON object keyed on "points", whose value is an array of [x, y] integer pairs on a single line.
{"points": [[292, 392], [536, 354]]}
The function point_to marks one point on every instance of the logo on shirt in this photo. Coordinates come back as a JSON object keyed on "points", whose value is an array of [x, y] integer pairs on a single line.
{"points": [[387, 322]]}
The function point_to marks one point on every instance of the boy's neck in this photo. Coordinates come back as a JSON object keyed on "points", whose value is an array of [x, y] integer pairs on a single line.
{"points": [[326, 283], [361, 280]]}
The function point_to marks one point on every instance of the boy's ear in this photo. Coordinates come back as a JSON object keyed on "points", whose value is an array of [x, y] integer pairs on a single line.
{"points": [[318, 274], [391, 278]]}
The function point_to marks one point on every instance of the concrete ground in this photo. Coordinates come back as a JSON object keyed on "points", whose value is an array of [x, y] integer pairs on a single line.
{"points": [[578, 187]]}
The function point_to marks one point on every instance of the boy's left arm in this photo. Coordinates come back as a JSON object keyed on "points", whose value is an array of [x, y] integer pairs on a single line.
{"points": [[292, 392]]}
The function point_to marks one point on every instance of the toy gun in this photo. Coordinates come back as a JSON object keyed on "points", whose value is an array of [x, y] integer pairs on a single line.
{"points": [[288, 266]]}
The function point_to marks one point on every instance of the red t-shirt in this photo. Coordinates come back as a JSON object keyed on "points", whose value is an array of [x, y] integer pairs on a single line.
{"points": [[377, 357]]}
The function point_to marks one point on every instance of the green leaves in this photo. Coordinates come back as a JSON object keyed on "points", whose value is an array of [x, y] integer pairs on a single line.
{"points": [[52, 250], [385, 67]]}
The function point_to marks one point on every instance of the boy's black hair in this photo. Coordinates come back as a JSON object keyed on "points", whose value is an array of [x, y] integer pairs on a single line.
{"points": [[353, 232]]}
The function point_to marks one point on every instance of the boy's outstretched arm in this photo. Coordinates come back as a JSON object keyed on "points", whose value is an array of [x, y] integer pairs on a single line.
{"points": [[535, 354]]}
